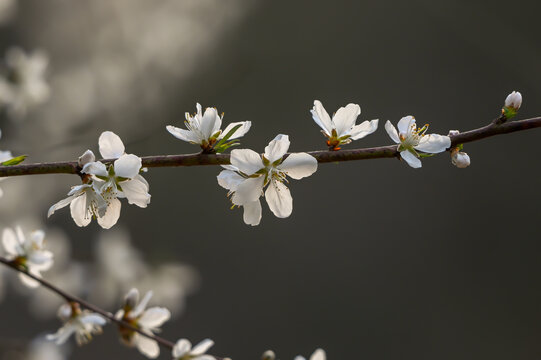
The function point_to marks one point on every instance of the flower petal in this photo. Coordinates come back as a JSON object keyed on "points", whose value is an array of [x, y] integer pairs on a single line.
{"points": [[248, 191], [146, 346], [241, 131], [185, 135], [252, 213], [181, 348], [93, 319], [128, 166], [246, 160], [319, 354], [142, 305], [363, 129], [111, 214], [78, 211], [95, 168], [154, 317], [136, 191], [299, 165], [391, 130], [345, 118], [406, 124], [229, 179], [321, 117], [210, 123], [28, 281], [434, 143], [279, 199], [277, 148], [202, 347], [111, 146], [11, 244], [411, 159]]}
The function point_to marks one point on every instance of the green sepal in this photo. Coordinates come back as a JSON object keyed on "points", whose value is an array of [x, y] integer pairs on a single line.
{"points": [[425, 155], [220, 143], [15, 161], [509, 112], [226, 146]]}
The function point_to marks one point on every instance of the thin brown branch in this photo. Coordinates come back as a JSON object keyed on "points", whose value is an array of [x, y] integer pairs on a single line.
{"points": [[84, 304], [321, 156]]}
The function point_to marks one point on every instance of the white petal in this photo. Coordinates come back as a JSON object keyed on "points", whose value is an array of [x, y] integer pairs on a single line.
{"points": [[111, 214], [246, 160], [405, 125], [321, 117], [93, 319], [95, 168], [391, 130], [363, 129], [142, 305], [319, 354], [86, 158], [63, 334], [181, 348], [248, 191], [252, 213], [277, 148], [345, 118], [11, 243], [434, 143], [128, 166], [411, 159], [202, 347], [154, 317], [136, 191], [210, 121], [28, 281], [299, 358], [111, 146], [185, 135], [299, 165], [241, 131], [43, 259], [37, 237], [229, 179], [78, 211], [279, 199], [146, 346]]}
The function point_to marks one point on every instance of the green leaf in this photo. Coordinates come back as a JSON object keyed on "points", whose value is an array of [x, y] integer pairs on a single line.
{"points": [[15, 161], [226, 137]]}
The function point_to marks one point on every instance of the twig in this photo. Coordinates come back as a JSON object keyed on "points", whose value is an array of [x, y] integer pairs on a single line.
{"points": [[71, 298], [71, 167]]}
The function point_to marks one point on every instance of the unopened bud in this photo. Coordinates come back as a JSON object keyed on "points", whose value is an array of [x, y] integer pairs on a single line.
{"points": [[460, 159], [453, 132], [131, 298], [514, 100], [86, 158], [268, 355]]}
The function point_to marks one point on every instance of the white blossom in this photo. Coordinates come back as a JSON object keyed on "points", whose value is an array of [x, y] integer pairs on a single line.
{"points": [[460, 159], [147, 320], [28, 253], [204, 128], [250, 172], [341, 129], [104, 185], [411, 139], [183, 350], [319, 354], [81, 323], [24, 84], [514, 100]]}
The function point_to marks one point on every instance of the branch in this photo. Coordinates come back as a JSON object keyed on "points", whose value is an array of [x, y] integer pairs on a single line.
{"points": [[71, 298], [321, 156]]}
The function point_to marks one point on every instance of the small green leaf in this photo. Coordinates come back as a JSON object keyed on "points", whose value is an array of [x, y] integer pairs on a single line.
{"points": [[15, 161], [227, 136]]}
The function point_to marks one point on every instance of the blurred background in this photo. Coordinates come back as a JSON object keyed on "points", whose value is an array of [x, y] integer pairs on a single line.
{"points": [[377, 261]]}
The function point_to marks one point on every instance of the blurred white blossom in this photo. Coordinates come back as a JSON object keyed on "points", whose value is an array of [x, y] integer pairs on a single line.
{"points": [[28, 253], [7, 10], [4, 156], [250, 172], [147, 320], [81, 323], [23, 83], [411, 139], [41, 349], [341, 129], [205, 129], [319, 354], [183, 350]]}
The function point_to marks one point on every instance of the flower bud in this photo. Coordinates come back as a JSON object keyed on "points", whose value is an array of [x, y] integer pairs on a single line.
{"points": [[460, 159], [268, 355], [86, 158], [64, 312], [131, 298], [513, 100], [453, 132]]}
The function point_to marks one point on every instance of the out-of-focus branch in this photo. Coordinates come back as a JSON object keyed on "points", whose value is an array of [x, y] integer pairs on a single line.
{"points": [[84, 304], [321, 156]]}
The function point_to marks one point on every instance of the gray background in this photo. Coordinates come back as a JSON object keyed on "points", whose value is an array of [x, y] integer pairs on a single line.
{"points": [[378, 260]]}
